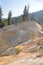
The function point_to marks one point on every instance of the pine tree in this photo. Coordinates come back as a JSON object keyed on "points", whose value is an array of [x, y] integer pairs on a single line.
{"points": [[9, 18], [0, 15], [25, 14]]}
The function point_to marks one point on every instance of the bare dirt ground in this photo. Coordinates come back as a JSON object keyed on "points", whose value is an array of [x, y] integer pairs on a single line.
{"points": [[29, 54]]}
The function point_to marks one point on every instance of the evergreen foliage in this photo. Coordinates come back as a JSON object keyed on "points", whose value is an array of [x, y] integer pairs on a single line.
{"points": [[0, 15], [9, 18], [25, 14]]}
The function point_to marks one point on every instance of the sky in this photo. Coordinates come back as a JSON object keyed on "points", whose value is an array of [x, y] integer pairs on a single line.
{"points": [[17, 6]]}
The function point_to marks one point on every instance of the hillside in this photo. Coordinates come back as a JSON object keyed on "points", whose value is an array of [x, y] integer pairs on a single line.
{"points": [[11, 36], [21, 44], [38, 16], [31, 54]]}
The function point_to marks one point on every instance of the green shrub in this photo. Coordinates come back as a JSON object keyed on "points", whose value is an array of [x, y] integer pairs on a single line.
{"points": [[5, 23], [17, 50]]}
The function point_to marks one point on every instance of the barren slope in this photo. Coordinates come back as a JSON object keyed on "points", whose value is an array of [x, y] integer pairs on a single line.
{"points": [[11, 36], [27, 37], [31, 54]]}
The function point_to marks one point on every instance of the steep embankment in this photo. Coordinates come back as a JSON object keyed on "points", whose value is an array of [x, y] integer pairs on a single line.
{"points": [[12, 35], [21, 44], [31, 53]]}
